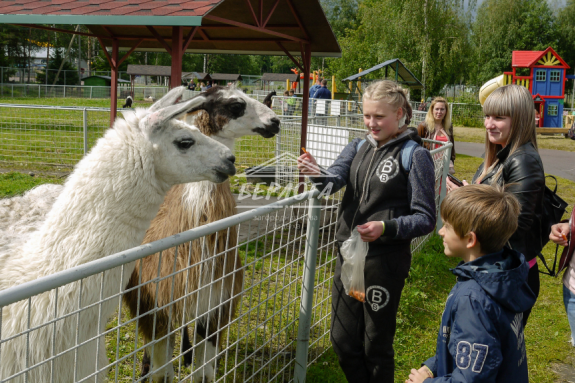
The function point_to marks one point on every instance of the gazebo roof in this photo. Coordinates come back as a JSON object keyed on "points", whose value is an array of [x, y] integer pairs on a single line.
{"points": [[149, 70], [271, 27], [226, 77], [106, 12], [280, 77], [198, 75], [407, 77]]}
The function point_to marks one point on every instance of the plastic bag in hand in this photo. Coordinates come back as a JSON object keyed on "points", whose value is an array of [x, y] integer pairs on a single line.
{"points": [[353, 251]]}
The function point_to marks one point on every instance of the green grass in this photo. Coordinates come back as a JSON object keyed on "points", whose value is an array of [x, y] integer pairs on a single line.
{"points": [[14, 183], [418, 319], [69, 101]]}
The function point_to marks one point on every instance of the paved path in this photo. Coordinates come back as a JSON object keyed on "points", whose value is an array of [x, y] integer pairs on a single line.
{"points": [[557, 162]]}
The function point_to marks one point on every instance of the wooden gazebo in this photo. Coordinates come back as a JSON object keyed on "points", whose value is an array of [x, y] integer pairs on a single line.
{"points": [[147, 70], [260, 27]]}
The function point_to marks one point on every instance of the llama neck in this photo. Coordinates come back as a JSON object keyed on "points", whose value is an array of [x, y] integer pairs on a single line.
{"points": [[206, 202], [105, 207]]}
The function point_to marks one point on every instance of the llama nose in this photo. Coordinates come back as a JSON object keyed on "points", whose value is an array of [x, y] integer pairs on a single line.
{"points": [[232, 159]]}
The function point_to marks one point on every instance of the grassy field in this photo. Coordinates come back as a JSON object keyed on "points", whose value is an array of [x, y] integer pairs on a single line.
{"points": [[420, 310], [556, 142]]}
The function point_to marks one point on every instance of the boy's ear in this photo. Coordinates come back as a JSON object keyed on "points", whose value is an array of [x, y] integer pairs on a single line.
{"points": [[471, 240]]}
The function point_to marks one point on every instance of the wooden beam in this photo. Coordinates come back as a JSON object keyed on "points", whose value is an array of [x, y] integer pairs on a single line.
{"points": [[35, 26], [296, 62], [130, 52], [258, 29], [108, 31], [252, 12], [297, 19], [105, 52], [114, 83], [176, 73], [160, 39], [261, 15], [204, 35], [189, 38], [270, 13]]}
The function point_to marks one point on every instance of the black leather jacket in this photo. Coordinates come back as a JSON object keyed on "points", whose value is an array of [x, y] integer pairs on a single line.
{"points": [[524, 170]]}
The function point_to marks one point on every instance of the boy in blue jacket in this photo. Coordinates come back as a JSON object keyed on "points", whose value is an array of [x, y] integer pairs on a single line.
{"points": [[481, 337]]}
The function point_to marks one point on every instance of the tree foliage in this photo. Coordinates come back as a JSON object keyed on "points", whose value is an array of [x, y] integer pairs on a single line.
{"points": [[71, 76]]}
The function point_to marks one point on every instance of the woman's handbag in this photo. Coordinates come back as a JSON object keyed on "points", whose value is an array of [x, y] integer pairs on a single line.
{"points": [[553, 209]]}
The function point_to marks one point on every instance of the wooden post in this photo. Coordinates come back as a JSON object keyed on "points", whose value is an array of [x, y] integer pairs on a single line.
{"points": [[177, 41], [114, 83]]}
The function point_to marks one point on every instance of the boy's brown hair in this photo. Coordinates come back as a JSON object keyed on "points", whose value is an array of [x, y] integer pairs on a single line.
{"points": [[489, 212]]}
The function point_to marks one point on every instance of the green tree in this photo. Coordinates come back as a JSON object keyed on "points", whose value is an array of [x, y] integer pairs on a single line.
{"points": [[566, 33], [53, 66], [431, 37], [503, 26]]}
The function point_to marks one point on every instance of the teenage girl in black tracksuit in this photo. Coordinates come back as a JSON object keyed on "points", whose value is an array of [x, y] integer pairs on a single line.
{"points": [[390, 197]]}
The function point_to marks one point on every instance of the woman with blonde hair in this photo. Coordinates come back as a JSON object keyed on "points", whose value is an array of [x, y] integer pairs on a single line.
{"points": [[389, 199], [511, 158], [438, 127]]}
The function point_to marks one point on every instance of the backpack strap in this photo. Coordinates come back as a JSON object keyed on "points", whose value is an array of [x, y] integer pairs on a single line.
{"points": [[407, 150], [407, 154]]}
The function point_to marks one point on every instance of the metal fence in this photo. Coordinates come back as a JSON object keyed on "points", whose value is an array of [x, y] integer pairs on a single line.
{"points": [[286, 253], [77, 91]]}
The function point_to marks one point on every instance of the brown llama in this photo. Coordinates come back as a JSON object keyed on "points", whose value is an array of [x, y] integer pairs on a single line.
{"points": [[211, 284]]}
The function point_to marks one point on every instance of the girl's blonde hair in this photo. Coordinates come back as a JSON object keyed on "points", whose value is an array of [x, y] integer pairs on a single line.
{"points": [[390, 92], [512, 101], [430, 121]]}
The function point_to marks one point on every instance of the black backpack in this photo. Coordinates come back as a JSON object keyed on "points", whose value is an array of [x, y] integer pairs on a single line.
{"points": [[553, 209]]}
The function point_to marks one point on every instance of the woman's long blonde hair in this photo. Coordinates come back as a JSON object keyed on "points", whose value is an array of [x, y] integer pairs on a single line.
{"points": [[392, 93], [513, 101], [430, 121]]}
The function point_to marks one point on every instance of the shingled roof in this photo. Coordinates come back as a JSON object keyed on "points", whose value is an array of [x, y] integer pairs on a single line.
{"points": [[106, 12], [149, 70], [280, 77], [226, 77]]}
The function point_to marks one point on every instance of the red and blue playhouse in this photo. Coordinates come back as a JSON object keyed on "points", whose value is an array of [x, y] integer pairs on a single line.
{"points": [[546, 81]]}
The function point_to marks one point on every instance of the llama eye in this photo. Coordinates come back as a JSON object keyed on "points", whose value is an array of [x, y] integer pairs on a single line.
{"points": [[236, 107], [184, 144]]}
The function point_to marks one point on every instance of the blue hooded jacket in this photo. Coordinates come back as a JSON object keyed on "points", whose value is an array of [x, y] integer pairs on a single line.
{"points": [[481, 338]]}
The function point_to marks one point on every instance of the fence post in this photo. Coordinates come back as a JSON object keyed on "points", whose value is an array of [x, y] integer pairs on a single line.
{"points": [[306, 306], [85, 125], [91, 91], [443, 184], [12, 90]]}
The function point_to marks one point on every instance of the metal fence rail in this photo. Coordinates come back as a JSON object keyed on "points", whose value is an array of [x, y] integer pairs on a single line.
{"points": [[286, 252]]}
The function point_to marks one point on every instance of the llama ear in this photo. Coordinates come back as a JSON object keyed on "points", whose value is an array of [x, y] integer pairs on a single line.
{"points": [[169, 99], [157, 119]]}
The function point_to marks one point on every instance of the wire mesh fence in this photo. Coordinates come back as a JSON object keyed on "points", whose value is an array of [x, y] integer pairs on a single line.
{"points": [[77, 91], [255, 309]]}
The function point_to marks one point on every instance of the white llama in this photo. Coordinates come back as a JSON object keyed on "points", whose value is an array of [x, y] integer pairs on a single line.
{"points": [[105, 207], [227, 114]]}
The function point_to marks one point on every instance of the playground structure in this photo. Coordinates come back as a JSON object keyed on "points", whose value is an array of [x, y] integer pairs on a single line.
{"points": [[402, 75], [546, 82]]}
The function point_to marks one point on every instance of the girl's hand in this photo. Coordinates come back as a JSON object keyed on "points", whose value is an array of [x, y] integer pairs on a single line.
{"points": [[370, 231], [560, 234], [417, 376], [307, 165], [451, 186]]}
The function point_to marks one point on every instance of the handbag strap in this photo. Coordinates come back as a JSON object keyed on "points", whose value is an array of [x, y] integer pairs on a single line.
{"points": [[550, 271]]}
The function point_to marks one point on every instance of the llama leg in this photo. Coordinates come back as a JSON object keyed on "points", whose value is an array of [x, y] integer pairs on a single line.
{"points": [[187, 347], [206, 352], [161, 353]]}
